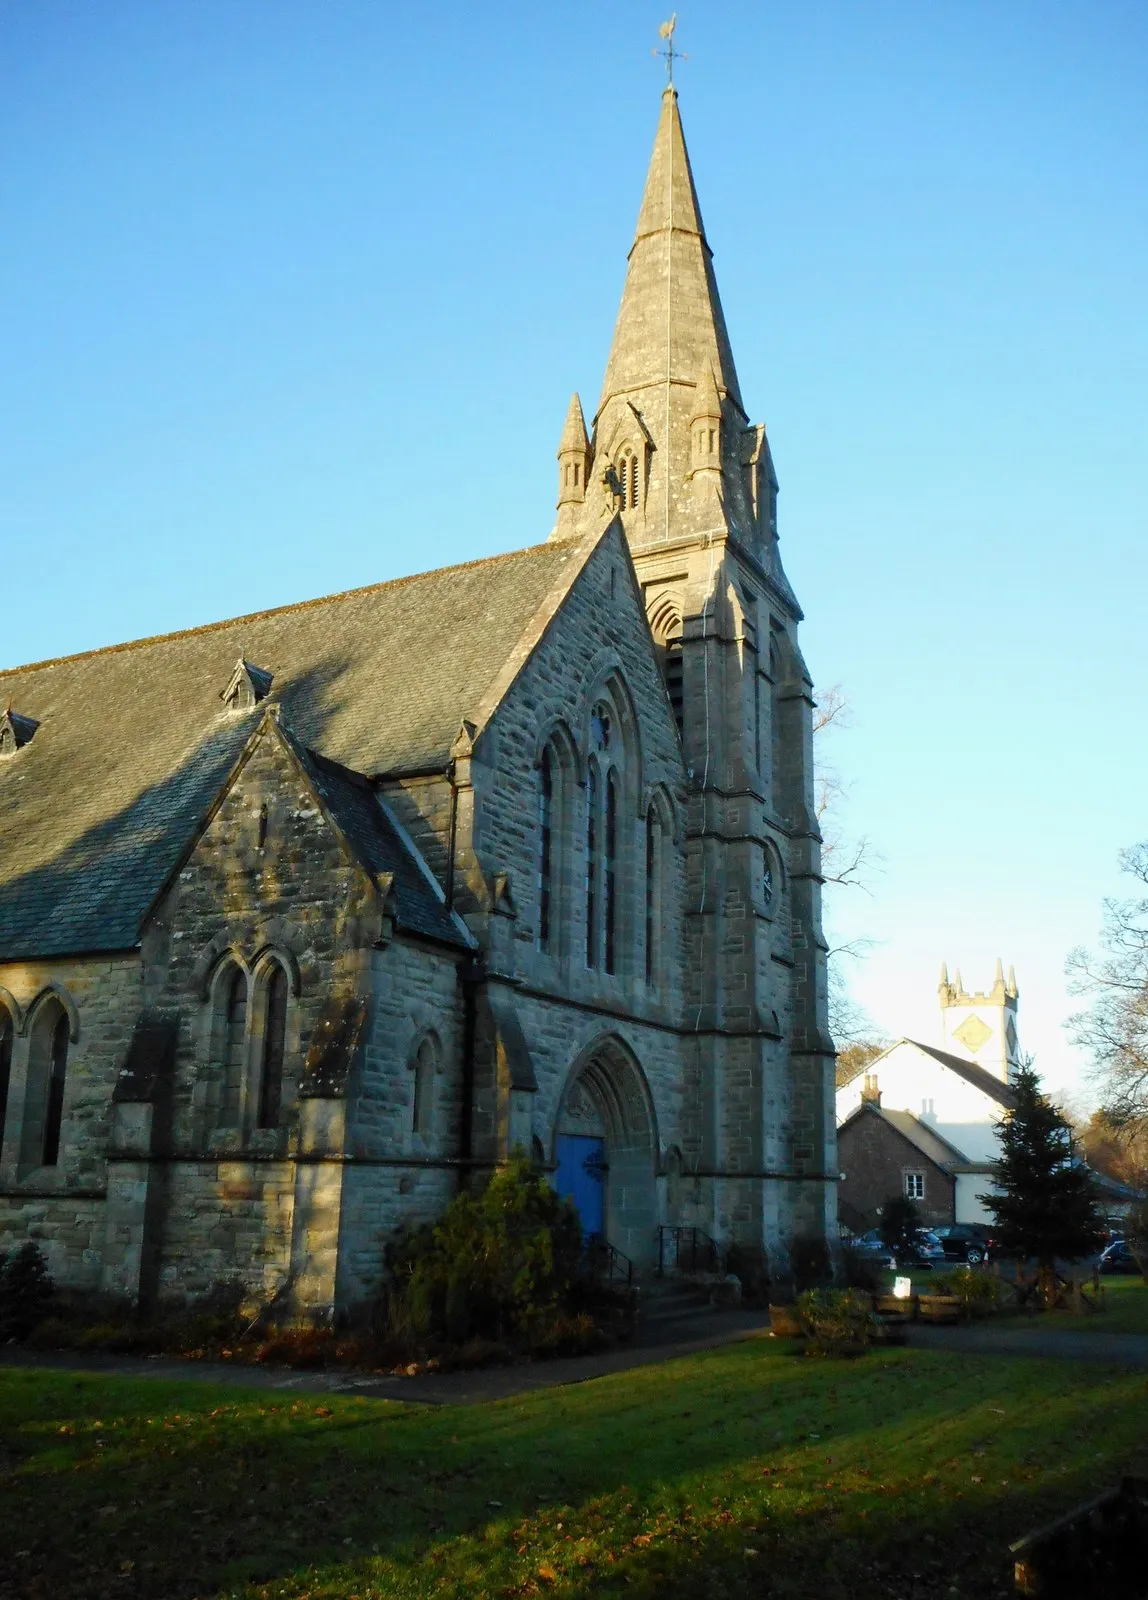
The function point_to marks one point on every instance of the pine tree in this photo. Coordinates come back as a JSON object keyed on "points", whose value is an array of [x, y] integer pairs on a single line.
{"points": [[1048, 1209]]}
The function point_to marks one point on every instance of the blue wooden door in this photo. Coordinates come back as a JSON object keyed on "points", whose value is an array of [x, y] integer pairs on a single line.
{"points": [[581, 1175]]}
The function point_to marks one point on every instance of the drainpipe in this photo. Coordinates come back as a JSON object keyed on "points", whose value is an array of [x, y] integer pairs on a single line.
{"points": [[452, 837]]}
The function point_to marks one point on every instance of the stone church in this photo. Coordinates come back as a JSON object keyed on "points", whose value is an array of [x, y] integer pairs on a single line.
{"points": [[310, 918]]}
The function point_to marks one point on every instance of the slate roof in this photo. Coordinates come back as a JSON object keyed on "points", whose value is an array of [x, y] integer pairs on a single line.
{"points": [[923, 1138], [132, 745], [382, 848], [987, 1082]]}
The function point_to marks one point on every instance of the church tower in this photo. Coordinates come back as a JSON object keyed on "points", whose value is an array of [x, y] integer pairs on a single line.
{"points": [[981, 1027], [673, 455]]}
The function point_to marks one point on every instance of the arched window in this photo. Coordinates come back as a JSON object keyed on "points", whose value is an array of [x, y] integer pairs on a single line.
{"points": [[666, 627], [44, 1101], [545, 845], [653, 851], [592, 866], [7, 1038], [274, 1048], [422, 1097], [610, 870], [233, 1045], [629, 480]]}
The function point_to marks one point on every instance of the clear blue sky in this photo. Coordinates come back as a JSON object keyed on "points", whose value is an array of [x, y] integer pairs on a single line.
{"points": [[294, 295]]}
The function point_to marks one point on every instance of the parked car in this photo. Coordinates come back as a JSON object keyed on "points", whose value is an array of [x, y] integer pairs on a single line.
{"points": [[1117, 1257], [925, 1253], [871, 1247], [965, 1241]]}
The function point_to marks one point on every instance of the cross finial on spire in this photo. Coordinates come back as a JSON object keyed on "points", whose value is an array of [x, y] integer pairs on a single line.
{"points": [[669, 54]]}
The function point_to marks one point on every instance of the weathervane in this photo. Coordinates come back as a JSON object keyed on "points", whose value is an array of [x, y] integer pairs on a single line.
{"points": [[669, 55]]}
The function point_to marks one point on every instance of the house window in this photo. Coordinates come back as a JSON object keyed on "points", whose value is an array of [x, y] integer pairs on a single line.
{"points": [[914, 1186], [274, 1049]]}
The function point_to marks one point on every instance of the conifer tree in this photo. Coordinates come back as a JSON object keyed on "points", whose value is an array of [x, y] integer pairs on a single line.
{"points": [[1048, 1208]]}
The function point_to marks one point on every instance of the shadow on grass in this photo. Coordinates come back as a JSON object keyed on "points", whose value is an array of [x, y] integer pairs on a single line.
{"points": [[735, 1473]]}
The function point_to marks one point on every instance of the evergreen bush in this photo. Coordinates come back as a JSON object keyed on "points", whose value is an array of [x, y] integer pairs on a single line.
{"points": [[26, 1291], [836, 1322]]}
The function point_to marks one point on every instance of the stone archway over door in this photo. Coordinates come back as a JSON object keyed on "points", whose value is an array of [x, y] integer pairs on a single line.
{"points": [[605, 1148]]}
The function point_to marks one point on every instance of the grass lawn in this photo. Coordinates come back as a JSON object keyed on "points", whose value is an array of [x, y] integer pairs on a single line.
{"points": [[1125, 1310], [744, 1471]]}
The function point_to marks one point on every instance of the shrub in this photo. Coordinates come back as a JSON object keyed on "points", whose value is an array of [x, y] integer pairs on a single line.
{"points": [[809, 1257], [860, 1272], [1136, 1232], [900, 1220], [26, 1291], [836, 1322], [499, 1265]]}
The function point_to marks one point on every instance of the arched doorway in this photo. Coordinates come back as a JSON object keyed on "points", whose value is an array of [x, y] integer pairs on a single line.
{"points": [[605, 1149]]}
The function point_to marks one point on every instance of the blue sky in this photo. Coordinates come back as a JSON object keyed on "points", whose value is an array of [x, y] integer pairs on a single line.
{"points": [[294, 295]]}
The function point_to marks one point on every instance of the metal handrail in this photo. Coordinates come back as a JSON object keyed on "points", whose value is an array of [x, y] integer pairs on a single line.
{"points": [[606, 1263], [686, 1250]]}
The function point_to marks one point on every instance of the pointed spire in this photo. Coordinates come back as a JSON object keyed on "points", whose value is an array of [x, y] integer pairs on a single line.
{"points": [[573, 456], [1011, 990], [670, 324], [574, 435], [998, 981], [707, 401], [944, 983]]}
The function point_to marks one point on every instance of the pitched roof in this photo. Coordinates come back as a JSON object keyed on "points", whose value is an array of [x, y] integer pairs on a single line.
{"points": [[670, 283], [923, 1138], [132, 746], [980, 1079]]}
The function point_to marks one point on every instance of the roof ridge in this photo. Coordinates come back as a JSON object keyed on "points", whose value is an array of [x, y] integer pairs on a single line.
{"points": [[275, 611]]}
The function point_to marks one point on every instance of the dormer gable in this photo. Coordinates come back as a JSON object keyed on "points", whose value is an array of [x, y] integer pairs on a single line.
{"points": [[15, 731], [247, 686]]}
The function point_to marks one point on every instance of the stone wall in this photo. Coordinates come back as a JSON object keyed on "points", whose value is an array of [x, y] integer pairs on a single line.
{"points": [[61, 1207]]}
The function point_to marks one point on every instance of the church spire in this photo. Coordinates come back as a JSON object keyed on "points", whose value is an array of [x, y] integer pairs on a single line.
{"points": [[670, 325]]}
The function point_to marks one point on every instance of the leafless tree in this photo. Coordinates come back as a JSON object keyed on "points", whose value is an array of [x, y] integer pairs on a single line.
{"points": [[846, 862], [1114, 1028]]}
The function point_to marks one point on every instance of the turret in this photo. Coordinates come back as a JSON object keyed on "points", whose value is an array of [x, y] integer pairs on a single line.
{"points": [[573, 457], [705, 427]]}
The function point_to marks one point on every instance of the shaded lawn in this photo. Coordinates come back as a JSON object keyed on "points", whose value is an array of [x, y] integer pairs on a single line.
{"points": [[738, 1472], [1125, 1309]]}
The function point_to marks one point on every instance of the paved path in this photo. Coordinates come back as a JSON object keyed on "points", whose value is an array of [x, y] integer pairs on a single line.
{"points": [[1007, 1339], [432, 1388], [502, 1383]]}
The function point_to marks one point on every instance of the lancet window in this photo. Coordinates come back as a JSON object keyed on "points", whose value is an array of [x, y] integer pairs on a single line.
{"points": [[545, 845], [47, 1078], [603, 840], [422, 1092], [274, 1048], [629, 480]]}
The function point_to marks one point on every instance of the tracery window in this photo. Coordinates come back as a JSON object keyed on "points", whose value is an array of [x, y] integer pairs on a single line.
{"points": [[274, 1048]]}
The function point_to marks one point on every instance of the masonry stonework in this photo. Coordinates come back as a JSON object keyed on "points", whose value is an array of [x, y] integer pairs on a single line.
{"points": [[377, 890]]}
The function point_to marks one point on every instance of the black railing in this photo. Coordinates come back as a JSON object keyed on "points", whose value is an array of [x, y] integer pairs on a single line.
{"points": [[686, 1250], [605, 1264]]}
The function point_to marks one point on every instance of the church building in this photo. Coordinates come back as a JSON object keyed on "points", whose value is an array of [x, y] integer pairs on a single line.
{"points": [[311, 918]]}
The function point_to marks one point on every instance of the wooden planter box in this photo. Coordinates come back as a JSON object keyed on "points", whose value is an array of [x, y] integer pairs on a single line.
{"points": [[888, 1305], [939, 1308], [784, 1323]]}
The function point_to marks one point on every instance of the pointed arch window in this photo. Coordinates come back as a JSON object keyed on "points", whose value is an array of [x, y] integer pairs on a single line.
{"points": [[274, 1048], [47, 1079], [592, 787], [422, 1097], [7, 1042], [610, 872], [233, 1044], [629, 480], [545, 845], [653, 895]]}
